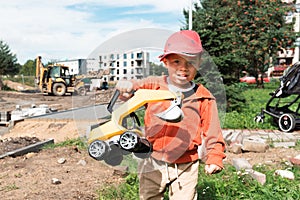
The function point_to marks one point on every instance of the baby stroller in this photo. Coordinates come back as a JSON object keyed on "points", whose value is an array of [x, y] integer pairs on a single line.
{"points": [[284, 104]]}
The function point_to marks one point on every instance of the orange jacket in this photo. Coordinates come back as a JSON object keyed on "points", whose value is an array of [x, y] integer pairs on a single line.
{"points": [[178, 142]]}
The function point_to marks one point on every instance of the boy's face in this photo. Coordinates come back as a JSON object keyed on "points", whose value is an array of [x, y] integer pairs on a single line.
{"points": [[181, 71]]}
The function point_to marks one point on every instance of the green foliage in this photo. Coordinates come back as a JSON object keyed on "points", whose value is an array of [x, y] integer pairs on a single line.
{"points": [[127, 190], [26, 80], [8, 61], [242, 35], [236, 101], [157, 70], [256, 99], [78, 142], [227, 184], [28, 69]]}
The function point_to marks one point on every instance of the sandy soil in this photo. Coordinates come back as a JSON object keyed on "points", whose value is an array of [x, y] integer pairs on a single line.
{"points": [[32, 176]]}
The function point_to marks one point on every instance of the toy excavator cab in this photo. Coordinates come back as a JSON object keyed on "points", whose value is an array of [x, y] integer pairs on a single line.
{"points": [[115, 138]]}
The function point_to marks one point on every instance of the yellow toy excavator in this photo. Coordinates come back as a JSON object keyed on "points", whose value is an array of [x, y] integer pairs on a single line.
{"points": [[113, 139]]}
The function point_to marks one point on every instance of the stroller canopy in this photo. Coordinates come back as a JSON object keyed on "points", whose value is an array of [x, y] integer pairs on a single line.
{"points": [[290, 82]]}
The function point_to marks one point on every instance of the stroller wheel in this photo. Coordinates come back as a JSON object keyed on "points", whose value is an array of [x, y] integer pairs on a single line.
{"points": [[259, 119], [287, 122]]}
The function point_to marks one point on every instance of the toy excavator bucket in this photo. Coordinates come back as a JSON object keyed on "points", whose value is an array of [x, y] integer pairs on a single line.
{"points": [[172, 114]]}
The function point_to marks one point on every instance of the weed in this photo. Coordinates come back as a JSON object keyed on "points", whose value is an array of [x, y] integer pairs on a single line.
{"points": [[78, 142], [8, 188], [227, 185]]}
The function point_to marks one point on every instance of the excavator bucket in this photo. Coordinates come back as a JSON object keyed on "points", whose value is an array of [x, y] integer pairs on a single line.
{"points": [[173, 113]]}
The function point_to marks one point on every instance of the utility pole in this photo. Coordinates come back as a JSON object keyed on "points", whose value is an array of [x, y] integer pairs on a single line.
{"points": [[297, 29], [191, 15]]}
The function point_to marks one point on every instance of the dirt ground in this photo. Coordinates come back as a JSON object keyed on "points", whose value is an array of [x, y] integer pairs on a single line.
{"points": [[68, 172]]}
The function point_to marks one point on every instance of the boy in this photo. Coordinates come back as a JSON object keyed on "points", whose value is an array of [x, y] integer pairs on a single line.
{"points": [[174, 161]]}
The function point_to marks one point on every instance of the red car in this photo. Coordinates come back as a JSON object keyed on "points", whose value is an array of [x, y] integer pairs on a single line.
{"points": [[251, 79]]}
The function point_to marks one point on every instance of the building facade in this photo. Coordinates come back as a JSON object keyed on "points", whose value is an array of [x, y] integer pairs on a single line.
{"points": [[126, 65], [81, 66]]}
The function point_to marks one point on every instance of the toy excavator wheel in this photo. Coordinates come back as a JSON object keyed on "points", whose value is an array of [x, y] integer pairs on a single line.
{"points": [[287, 122], [98, 149], [128, 140]]}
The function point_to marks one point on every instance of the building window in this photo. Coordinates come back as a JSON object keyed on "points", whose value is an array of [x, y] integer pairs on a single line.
{"points": [[132, 63], [118, 56], [132, 71], [118, 64], [125, 64], [139, 64], [124, 71], [125, 56], [118, 71], [132, 55], [139, 55]]}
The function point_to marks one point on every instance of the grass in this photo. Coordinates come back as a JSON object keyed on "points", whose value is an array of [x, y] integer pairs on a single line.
{"points": [[227, 184], [256, 99], [78, 142], [9, 187]]}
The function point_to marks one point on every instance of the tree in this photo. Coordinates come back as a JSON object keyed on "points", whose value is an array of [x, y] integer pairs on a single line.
{"points": [[242, 35], [264, 30], [8, 62], [157, 70], [28, 69]]}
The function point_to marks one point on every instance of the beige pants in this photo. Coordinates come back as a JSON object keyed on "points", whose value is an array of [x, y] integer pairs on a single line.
{"points": [[155, 176]]}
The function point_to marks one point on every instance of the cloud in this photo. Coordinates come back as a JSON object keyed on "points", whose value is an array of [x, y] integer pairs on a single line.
{"points": [[68, 29]]}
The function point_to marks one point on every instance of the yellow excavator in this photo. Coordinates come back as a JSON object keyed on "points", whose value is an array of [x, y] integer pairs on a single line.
{"points": [[57, 80], [111, 140]]}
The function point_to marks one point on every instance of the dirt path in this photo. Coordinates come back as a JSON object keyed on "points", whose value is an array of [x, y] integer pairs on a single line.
{"points": [[63, 173]]}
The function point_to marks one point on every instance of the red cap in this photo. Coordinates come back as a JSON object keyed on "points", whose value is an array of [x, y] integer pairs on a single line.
{"points": [[186, 43]]}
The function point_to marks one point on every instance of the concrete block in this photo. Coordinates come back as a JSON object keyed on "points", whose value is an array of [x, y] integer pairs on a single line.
{"points": [[241, 164], [235, 148], [260, 177], [232, 136], [284, 144], [285, 174], [255, 144]]}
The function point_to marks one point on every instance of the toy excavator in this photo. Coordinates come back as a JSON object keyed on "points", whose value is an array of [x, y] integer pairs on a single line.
{"points": [[113, 139]]}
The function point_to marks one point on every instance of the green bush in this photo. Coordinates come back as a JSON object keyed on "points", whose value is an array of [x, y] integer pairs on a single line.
{"points": [[255, 101], [236, 100]]}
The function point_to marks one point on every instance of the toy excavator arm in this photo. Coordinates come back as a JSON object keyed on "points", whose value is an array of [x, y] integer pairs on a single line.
{"points": [[141, 97]]}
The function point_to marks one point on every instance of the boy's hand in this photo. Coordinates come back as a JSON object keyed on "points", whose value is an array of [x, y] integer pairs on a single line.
{"points": [[212, 168], [125, 87]]}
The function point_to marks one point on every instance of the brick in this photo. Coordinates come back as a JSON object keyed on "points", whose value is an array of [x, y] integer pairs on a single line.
{"points": [[295, 160]]}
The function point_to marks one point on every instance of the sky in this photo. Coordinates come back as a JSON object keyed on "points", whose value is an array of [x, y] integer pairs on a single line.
{"points": [[72, 29]]}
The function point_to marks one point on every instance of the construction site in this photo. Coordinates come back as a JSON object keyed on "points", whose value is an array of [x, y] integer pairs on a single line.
{"points": [[69, 172]]}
